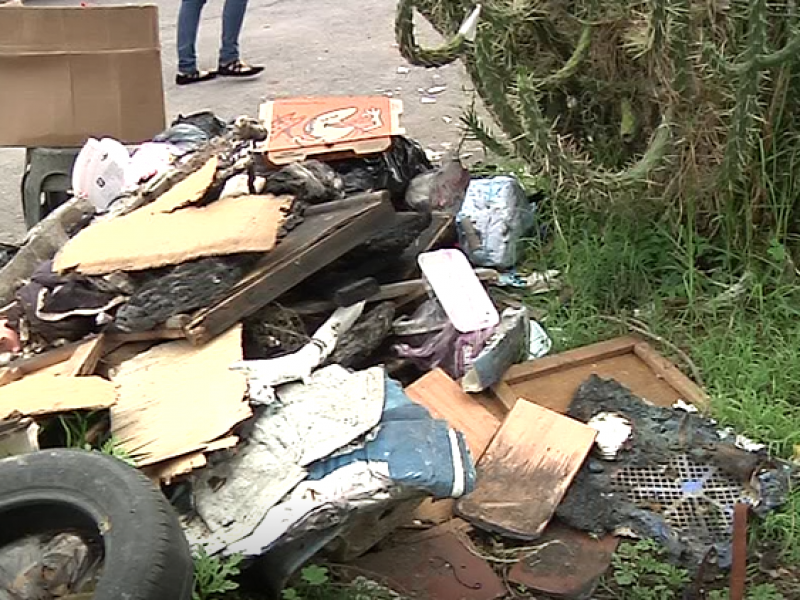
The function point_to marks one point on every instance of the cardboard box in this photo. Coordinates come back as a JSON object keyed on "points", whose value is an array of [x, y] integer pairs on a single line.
{"points": [[303, 127], [71, 73]]}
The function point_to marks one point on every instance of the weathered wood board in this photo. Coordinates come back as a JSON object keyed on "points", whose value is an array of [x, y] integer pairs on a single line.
{"points": [[526, 471]]}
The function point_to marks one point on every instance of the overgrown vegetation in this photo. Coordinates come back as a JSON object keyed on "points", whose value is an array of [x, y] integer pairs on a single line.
{"points": [[315, 582], [733, 315], [639, 572], [86, 432], [215, 577], [665, 105]]}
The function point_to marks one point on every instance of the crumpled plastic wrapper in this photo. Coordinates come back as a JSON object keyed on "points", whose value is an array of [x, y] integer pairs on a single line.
{"points": [[45, 567]]}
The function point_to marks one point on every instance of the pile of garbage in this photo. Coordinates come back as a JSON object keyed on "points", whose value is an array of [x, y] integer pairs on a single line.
{"points": [[290, 324]]}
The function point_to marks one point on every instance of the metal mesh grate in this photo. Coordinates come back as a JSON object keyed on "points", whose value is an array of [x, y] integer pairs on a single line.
{"points": [[695, 498]]}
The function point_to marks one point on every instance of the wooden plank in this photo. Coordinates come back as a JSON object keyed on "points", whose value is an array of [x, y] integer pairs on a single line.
{"points": [[441, 228], [526, 471], [175, 398], [45, 393], [84, 360], [388, 291], [315, 243], [552, 381], [145, 240], [572, 358], [671, 374], [445, 400], [37, 362]]}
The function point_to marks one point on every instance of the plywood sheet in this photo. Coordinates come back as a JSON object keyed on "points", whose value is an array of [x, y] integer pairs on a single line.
{"points": [[177, 398], [445, 400], [46, 393], [146, 240], [188, 190], [526, 470], [552, 381]]}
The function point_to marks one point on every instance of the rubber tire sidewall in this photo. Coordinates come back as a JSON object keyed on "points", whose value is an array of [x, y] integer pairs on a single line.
{"points": [[146, 557]]}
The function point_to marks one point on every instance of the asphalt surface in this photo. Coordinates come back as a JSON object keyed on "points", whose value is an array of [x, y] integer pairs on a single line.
{"points": [[310, 48]]}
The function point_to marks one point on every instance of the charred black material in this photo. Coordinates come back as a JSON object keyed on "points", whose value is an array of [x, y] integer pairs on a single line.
{"points": [[163, 293], [364, 338], [7, 252], [392, 170]]}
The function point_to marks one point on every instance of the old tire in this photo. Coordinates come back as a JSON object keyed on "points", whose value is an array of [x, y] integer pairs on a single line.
{"points": [[145, 553]]}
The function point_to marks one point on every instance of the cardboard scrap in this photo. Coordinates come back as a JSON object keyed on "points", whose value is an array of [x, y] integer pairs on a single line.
{"points": [[146, 240], [188, 190], [45, 393], [526, 471], [176, 398], [85, 358], [169, 470], [303, 127]]}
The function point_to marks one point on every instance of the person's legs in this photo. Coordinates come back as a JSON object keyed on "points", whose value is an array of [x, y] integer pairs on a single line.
{"points": [[230, 63], [232, 20], [188, 24]]}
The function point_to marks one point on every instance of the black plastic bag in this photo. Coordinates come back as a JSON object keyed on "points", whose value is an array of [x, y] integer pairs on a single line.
{"points": [[392, 170]]}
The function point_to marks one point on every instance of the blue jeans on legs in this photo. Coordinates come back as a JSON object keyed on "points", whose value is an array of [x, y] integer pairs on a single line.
{"points": [[189, 23]]}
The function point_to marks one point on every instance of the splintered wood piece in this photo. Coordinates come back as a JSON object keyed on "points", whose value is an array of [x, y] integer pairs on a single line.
{"points": [[45, 393], [145, 240], [169, 470], [316, 242], [84, 360], [188, 190], [553, 380], [526, 470], [445, 400], [176, 398]]}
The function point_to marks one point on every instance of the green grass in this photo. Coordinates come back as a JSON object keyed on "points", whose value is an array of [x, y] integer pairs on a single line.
{"points": [[630, 265]]}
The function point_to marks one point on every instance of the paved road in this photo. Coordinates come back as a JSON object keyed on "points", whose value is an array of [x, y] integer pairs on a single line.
{"points": [[310, 47]]}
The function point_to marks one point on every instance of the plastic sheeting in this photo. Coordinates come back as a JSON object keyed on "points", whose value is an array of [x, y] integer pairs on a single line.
{"points": [[493, 218], [408, 453]]}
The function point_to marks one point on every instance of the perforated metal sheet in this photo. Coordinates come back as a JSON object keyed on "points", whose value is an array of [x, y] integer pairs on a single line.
{"points": [[692, 497]]}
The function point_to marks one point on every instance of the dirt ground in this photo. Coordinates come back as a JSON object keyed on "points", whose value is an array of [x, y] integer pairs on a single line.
{"points": [[310, 48]]}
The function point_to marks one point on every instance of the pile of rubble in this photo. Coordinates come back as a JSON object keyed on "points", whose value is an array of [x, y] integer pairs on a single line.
{"points": [[295, 330]]}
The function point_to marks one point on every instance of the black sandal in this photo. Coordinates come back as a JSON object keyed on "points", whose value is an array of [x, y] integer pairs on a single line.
{"points": [[196, 77], [239, 69]]}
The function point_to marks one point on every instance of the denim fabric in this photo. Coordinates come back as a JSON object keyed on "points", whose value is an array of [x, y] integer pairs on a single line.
{"points": [[189, 22]]}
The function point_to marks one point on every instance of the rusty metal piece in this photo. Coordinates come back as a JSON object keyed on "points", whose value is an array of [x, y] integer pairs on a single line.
{"points": [[739, 565], [566, 562], [438, 567]]}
